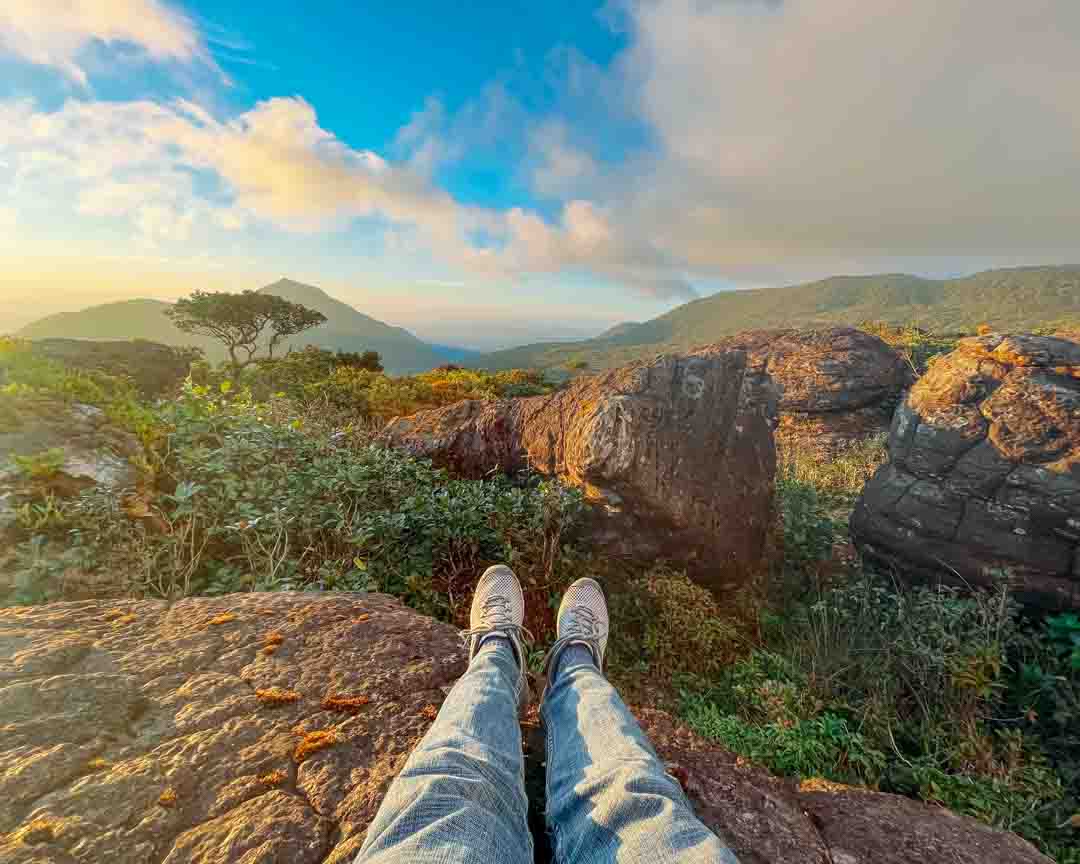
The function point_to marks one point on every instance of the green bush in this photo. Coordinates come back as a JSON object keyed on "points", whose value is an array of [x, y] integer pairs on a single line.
{"points": [[921, 691], [251, 503], [669, 627]]}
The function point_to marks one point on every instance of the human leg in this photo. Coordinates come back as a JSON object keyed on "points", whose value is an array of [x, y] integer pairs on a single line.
{"points": [[460, 799], [610, 800]]}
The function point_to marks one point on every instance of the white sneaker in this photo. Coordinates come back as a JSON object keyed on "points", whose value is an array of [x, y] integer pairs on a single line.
{"points": [[498, 609], [582, 620]]}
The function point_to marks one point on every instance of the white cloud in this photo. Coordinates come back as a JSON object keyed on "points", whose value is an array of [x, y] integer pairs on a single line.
{"points": [[561, 168], [57, 32], [831, 130], [277, 165]]}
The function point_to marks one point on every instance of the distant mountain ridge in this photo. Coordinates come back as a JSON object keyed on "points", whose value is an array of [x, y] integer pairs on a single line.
{"points": [[1015, 298], [346, 329]]}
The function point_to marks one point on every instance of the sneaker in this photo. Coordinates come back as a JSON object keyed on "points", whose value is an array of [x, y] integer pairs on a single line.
{"points": [[583, 620], [498, 608]]}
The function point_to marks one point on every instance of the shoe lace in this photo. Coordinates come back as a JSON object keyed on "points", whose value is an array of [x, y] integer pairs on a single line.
{"points": [[496, 615], [582, 623]]}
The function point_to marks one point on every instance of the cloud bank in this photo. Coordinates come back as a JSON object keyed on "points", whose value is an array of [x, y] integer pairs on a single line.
{"points": [[796, 137], [57, 32]]}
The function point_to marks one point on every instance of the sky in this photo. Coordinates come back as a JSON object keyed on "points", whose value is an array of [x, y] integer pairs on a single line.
{"points": [[499, 172]]}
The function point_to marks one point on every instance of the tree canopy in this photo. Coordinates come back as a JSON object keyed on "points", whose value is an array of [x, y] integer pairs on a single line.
{"points": [[243, 322]]}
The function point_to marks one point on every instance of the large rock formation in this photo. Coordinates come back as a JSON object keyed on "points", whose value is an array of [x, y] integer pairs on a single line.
{"points": [[677, 449], [263, 728], [836, 384], [984, 474]]}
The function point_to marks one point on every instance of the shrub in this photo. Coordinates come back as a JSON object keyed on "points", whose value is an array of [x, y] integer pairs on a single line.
{"points": [[251, 504], [921, 691], [672, 628], [917, 346], [26, 375]]}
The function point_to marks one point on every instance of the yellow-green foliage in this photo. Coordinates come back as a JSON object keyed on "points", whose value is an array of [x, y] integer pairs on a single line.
{"points": [[382, 397], [40, 466], [669, 626], [918, 346], [25, 375]]}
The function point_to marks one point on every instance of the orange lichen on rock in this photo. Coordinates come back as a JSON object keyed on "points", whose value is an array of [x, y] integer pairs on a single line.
{"points": [[167, 798], [269, 649], [274, 778], [361, 619], [313, 742], [273, 638], [276, 696], [40, 830], [345, 704], [223, 618], [430, 712], [820, 784], [123, 619]]}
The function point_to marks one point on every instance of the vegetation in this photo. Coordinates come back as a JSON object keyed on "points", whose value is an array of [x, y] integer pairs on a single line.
{"points": [[1020, 298], [270, 479], [853, 677], [239, 321]]}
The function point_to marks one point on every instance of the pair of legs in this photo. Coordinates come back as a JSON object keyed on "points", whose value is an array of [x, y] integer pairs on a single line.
{"points": [[460, 799]]}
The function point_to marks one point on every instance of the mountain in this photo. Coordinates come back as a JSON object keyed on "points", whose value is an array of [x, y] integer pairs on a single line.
{"points": [[1017, 298], [346, 329]]}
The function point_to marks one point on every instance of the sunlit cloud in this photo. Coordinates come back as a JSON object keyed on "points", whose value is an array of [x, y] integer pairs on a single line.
{"points": [[56, 33]]}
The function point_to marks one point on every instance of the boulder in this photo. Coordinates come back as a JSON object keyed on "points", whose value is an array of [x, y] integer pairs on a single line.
{"points": [[836, 385], [677, 451], [983, 481], [260, 728]]}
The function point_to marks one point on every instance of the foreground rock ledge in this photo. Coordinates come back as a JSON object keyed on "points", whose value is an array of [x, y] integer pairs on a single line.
{"points": [[136, 732], [677, 449], [983, 480]]}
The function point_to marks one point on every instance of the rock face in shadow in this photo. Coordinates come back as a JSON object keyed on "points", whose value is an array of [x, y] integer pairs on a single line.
{"points": [[983, 481], [263, 728], [836, 385], [677, 451]]}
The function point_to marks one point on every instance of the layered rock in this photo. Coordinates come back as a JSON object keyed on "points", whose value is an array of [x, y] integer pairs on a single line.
{"points": [[983, 481], [262, 728], [836, 385], [678, 450]]}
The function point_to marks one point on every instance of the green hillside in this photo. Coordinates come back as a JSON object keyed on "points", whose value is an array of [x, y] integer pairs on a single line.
{"points": [[1019, 298], [346, 328]]}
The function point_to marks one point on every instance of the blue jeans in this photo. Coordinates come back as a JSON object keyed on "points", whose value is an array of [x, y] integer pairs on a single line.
{"points": [[460, 799]]}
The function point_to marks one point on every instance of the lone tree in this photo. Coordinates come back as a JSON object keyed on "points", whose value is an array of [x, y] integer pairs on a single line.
{"points": [[239, 321]]}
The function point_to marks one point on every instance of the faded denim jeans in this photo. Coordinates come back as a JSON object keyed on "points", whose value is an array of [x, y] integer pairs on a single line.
{"points": [[460, 799]]}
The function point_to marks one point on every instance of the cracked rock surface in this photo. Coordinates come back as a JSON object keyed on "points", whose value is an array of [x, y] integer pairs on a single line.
{"points": [[983, 480], [676, 452], [139, 732]]}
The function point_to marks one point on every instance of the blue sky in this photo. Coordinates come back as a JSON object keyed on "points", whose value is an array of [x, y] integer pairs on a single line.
{"points": [[519, 171]]}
